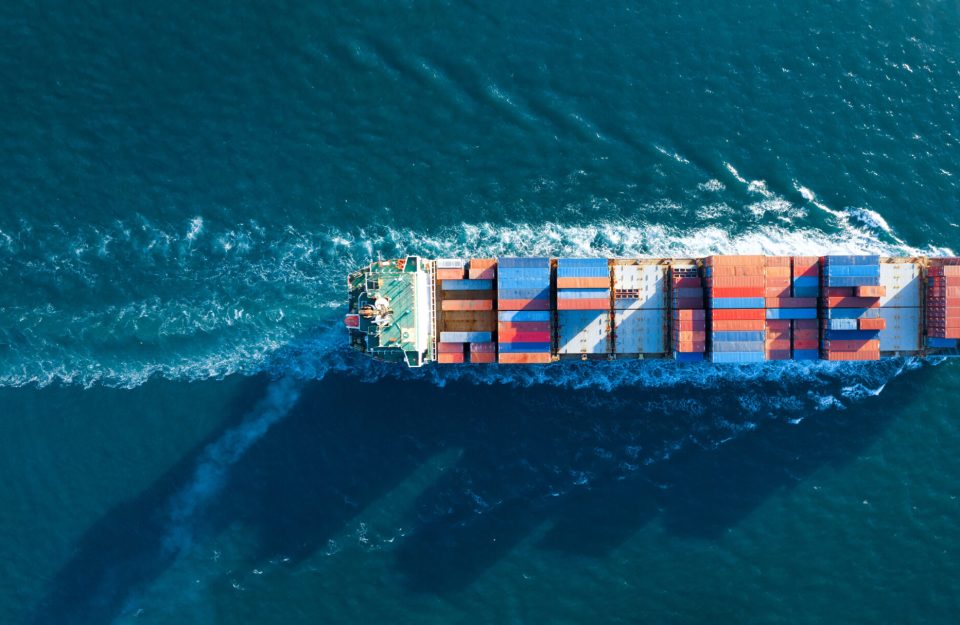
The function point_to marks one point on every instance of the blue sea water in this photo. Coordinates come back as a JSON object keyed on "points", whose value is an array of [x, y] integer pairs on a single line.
{"points": [[185, 439]]}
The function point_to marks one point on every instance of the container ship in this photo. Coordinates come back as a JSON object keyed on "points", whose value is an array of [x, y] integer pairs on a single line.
{"points": [[719, 309]]}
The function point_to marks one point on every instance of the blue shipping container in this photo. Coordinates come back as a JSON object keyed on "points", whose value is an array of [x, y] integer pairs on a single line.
{"points": [[738, 357], [582, 262], [940, 343], [842, 324], [688, 356], [466, 285], [844, 281], [806, 354], [523, 283], [852, 313], [583, 293], [466, 337], [737, 335], [806, 291], [509, 262], [738, 346], [523, 348], [583, 272], [523, 294], [543, 274], [852, 260], [850, 335], [737, 302], [839, 271], [806, 282], [791, 313], [523, 315]]}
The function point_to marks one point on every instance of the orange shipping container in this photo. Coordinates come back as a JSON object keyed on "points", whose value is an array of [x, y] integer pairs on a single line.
{"points": [[752, 281], [744, 260], [690, 346], [450, 359], [777, 261], [778, 344], [738, 325], [483, 263], [466, 304], [689, 325], [689, 314], [449, 348], [583, 283], [780, 291], [871, 291], [482, 357], [776, 282], [684, 337], [733, 272], [777, 272], [859, 356], [488, 273], [524, 358], [872, 324], [449, 274]]}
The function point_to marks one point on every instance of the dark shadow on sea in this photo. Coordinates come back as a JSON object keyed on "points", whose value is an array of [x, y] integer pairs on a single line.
{"points": [[524, 450]]}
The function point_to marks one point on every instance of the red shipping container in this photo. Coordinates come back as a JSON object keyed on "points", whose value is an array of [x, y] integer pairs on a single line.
{"points": [[871, 291], [853, 302], [466, 304], [583, 304], [778, 344], [482, 357], [523, 337], [778, 354], [736, 260], [736, 282], [483, 348], [523, 326], [683, 303], [778, 324], [686, 283], [735, 314], [778, 335], [450, 359], [805, 343], [806, 335], [524, 358], [805, 324], [742, 291], [449, 348], [488, 273], [741, 325], [872, 324], [583, 283], [689, 314], [449, 274], [839, 291], [949, 271], [523, 304]]}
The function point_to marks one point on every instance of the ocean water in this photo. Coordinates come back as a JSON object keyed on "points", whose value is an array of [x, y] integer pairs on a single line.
{"points": [[185, 439]]}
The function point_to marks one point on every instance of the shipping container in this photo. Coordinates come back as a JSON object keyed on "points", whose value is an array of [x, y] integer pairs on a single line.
{"points": [[466, 304], [466, 285], [466, 337], [483, 348], [450, 263], [523, 315], [583, 332], [524, 348], [583, 304], [524, 359], [450, 359], [450, 348], [524, 304], [738, 357], [482, 358], [806, 354], [644, 331], [450, 274], [583, 283], [688, 356], [737, 302], [902, 329], [791, 313]]}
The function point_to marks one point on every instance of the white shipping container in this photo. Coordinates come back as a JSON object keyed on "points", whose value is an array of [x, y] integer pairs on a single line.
{"points": [[450, 263], [903, 284], [902, 333], [583, 331], [649, 281], [640, 331]]}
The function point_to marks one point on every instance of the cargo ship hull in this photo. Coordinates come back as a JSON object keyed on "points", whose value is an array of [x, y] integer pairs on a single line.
{"points": [[721, 309]]}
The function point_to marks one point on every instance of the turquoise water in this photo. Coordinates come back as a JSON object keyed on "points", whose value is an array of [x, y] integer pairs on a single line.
{"points": [[186, 440]]}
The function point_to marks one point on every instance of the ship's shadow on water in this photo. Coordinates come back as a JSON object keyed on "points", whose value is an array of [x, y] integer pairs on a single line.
{"points": [[579, 470]]}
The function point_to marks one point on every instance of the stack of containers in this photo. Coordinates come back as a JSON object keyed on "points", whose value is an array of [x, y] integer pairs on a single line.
{"points": [[523, 331], [943, 303], [689, 327], [901, 312], [778, 330], [640, 307], [736, 299], [805, 289], [851, 300], [484, 269], [466, 316], [583, 305]]}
